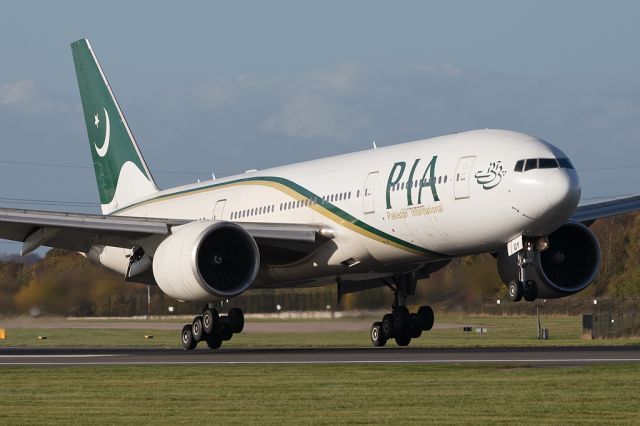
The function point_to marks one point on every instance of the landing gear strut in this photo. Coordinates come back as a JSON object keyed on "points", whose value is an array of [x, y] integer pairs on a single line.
{"points": [[212, 328], [522, 287], [400, 324]]}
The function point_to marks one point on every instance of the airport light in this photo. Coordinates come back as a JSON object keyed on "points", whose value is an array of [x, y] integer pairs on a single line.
{"points": [[278, 307], [498, 301], [170, 308], [595, 301]]}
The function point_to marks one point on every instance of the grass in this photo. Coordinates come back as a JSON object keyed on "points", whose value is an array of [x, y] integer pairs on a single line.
{"points": [[336, 394], [502, 331]]}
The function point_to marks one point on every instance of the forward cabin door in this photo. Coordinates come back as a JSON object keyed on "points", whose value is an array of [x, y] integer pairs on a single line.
{"points": [[369, 189], [463, 176], [219, 209]]}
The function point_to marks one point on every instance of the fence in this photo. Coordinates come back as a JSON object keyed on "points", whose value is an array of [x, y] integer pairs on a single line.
{"points": [[610, 326]]}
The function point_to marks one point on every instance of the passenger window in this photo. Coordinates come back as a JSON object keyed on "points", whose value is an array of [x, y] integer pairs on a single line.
{"points": [[547, 163], [519, 166], [439, 179], [445, 178], [532, 163]]}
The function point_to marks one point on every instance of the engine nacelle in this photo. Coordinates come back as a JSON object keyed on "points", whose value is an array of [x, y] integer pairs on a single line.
{"points": [[204, 260], [568, 266]]}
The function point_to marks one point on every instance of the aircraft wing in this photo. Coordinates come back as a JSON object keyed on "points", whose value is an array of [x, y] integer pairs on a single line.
{"points": [[597, 210], [79, 231]]}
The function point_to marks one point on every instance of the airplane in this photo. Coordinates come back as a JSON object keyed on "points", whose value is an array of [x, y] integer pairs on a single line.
{"points": [[387, 216]]}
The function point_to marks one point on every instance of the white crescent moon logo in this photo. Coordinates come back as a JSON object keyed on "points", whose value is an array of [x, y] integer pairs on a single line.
{"points": [[102, 151]]}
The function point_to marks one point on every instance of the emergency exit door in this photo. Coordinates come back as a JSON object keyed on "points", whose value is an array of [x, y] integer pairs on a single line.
{"points": [[219, 209]]}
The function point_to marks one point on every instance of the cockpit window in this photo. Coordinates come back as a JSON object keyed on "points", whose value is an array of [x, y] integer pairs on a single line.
{"points": [[532, 163], [565, 163], [542, 163], [548, 163]]}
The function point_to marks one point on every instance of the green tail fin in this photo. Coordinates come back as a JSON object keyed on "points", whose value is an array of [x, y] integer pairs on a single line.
{"points": [[121, 173]]}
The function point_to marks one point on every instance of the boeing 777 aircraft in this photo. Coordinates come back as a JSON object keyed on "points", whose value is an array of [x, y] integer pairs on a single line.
{"points": [[381, 217]]}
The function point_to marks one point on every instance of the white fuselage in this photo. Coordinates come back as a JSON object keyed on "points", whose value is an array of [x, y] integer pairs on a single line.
{"points": [[392, 209]]}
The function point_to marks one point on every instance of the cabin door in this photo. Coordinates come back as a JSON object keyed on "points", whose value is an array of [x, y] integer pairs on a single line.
{"points": [[369, 189], [462, 177]]}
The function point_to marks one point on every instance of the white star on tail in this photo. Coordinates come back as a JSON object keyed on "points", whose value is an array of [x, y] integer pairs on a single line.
{"points": [[96, 120]]}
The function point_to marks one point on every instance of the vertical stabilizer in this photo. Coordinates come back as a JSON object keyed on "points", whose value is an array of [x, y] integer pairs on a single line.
{"points": [[121, 173]]}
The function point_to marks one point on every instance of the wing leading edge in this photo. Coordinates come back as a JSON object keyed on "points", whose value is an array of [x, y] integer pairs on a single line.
{"points": [[79, 231], [592, 211]]}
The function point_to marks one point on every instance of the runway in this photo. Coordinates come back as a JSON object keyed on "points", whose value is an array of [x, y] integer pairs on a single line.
{"points": [[556, 356]]}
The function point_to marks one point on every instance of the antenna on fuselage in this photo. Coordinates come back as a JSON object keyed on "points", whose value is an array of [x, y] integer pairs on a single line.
{"points": [[374, 145], [213, 176]]}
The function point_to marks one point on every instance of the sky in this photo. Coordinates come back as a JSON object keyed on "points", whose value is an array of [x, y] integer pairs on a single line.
{"points": [[223, 87]]}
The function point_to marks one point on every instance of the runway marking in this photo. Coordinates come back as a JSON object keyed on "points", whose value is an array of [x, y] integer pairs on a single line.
{"points": [[333, 362], [60, 356]]}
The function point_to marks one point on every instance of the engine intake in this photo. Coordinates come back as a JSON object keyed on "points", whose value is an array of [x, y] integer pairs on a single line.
{"points": [[568, 266], [204, 260]]}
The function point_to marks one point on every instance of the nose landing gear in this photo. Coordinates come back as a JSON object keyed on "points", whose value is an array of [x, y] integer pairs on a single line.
{"points": [[522, 287], [212, 328]]}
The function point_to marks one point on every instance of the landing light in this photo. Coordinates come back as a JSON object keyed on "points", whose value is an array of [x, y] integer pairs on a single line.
{"points": [[542, 244]]}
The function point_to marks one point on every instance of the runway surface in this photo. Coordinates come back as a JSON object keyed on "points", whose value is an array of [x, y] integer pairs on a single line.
{"points": [[557, 356]]}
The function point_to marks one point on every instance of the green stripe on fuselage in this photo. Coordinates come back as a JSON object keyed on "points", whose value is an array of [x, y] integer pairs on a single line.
{"points": [[306, 194]]}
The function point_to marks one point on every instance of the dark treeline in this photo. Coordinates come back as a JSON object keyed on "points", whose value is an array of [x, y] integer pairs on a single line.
{"points": [[66, 283]]}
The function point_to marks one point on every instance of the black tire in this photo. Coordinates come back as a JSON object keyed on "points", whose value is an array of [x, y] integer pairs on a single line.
{"points": [[401, 320], [416, 329], [197, 330], [403, 339], [210, 319], [186, 336], [426, 318], [377, 336], [515, 290], [236, 319], [214, 341], [226, 332], [387, 326], [530, 291]]}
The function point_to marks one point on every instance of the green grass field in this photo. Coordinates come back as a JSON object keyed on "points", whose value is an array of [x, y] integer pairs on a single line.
{"points": [[502, 331], [321, 394], [336, 394]]}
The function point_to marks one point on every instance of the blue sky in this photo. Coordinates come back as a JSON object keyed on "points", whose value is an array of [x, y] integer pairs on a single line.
{"points": [[225, 87]]}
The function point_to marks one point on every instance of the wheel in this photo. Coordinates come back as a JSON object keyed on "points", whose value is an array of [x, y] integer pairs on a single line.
{"points": [[214, 341], [515, 290], [377, 336], [210, 318], [236, 318], [188, 343], [530, 291], [226, 332], [416, 329], [403, 339], [426, 318], [387, 326], [197, 329], [401, 320]]}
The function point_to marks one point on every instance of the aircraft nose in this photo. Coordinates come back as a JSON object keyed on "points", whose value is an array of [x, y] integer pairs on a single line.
{"points": [[563, 191]]}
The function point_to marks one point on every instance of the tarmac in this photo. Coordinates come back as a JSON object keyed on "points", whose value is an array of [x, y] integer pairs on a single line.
{"points": [[523, 356]]}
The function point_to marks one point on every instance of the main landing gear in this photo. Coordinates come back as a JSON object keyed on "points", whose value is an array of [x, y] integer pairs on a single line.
{"points": [[212, 328], [400, 324]]}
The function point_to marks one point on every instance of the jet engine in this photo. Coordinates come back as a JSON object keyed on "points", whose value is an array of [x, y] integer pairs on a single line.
{"points": [[567, 266], [204, 260]]}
